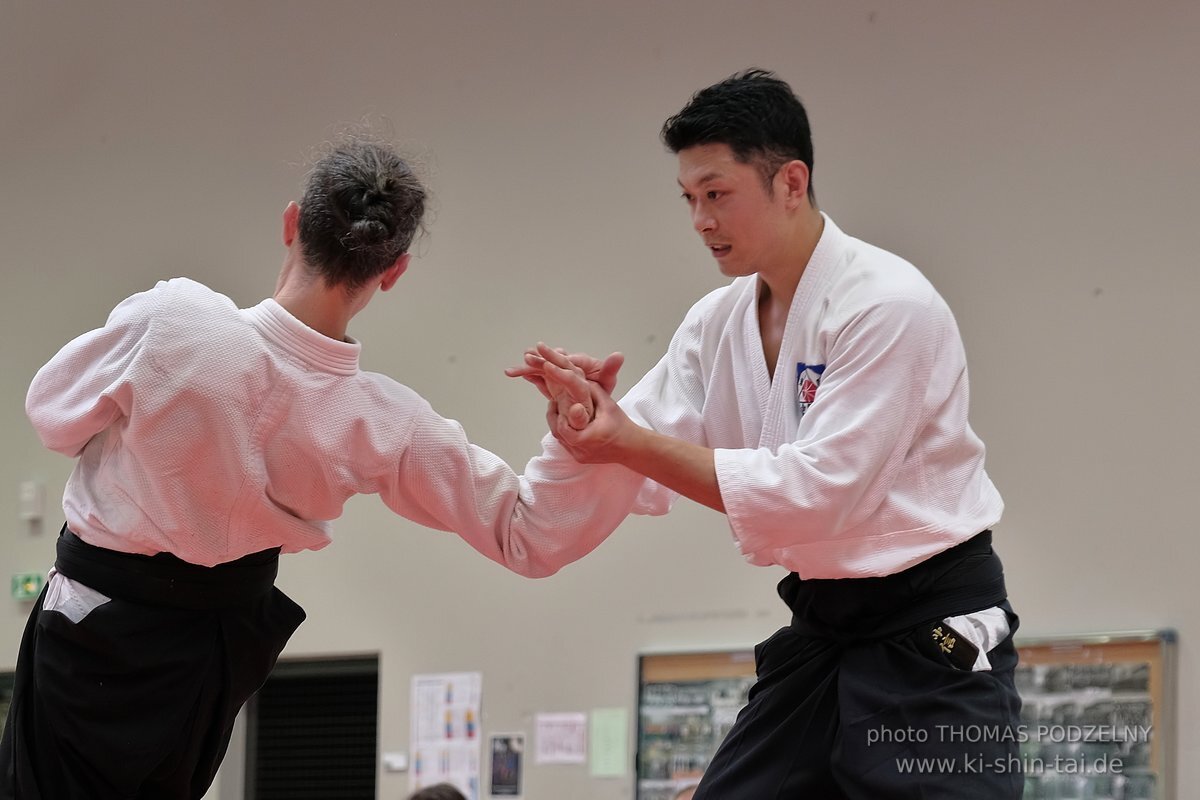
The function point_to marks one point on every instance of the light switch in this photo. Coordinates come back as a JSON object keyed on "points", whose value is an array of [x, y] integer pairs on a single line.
{"points": [[31, 501], [395, 762]]}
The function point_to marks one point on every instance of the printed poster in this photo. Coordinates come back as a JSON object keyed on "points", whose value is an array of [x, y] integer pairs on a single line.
{"points": [[561, 738], [444, 740], [508, 753]]}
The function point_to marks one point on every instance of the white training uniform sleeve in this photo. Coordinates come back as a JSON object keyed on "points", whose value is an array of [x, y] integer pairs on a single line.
{"points": [[83, 388], [669, 399], [533, 524], [559, 510]]}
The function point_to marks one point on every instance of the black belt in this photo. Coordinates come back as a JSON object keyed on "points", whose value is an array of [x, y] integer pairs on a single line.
{"points": [[965, 578], [163, 579]]}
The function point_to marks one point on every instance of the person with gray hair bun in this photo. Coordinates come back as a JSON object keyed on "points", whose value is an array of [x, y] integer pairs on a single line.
{"points": [[439, 791], [209, 439]]}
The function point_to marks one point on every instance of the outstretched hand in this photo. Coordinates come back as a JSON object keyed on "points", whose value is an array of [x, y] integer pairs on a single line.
{"points": [[581, 412], [594, 429], [591, 426], [568, 389], [602, 371]]}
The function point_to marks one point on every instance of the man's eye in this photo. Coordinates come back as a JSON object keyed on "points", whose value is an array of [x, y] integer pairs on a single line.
{"points": [[712, 195]]}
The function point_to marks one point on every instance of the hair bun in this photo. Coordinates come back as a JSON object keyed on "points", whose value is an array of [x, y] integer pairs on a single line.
{"points": [[361, 208], [366, 233]]}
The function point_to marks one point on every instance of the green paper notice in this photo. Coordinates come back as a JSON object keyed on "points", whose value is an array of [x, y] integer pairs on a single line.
{"points": [[608, 742]]}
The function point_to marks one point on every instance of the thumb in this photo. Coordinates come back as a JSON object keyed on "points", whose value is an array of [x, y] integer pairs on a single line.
{"points": [[578, 416], [607, 376]]}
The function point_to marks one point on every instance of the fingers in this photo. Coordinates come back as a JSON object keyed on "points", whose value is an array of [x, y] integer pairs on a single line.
{"points": [[606, 375], [588, 365], [566, 423], [539, 383], [533, 363], [554, 356], [569, 386], [595, 369], [553, 371], [578, 416], [552, 417], [531, 371], [523, 371]]}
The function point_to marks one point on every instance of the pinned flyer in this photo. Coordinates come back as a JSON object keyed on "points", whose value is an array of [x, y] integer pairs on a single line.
{"points": [[560, 738], [445, 741]]}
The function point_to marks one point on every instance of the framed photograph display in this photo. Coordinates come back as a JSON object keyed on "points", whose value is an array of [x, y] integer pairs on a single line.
{"points": [[1097, 718], [686, 704]]}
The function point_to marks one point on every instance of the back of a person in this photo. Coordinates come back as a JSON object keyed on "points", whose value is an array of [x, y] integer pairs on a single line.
{"points": [[204, 434], [178, 383], [243, 430]]}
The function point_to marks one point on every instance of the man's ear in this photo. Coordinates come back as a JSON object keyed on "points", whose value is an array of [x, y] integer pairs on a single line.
{"points": [[393, 273], [795, 176], [291, 223]]}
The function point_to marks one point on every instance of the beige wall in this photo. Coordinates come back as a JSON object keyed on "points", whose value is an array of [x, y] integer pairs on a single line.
{"points": [[1037, 160]]}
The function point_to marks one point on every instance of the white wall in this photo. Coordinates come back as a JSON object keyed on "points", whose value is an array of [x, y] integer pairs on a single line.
{"points": [[1037, 160]]}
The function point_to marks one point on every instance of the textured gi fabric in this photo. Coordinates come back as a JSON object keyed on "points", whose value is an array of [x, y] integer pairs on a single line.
{"points": [[212, 432], [856, 458]]}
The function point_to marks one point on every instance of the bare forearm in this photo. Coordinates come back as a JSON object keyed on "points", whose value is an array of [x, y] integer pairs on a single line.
{"points": [[683, 467], [593, 428]]}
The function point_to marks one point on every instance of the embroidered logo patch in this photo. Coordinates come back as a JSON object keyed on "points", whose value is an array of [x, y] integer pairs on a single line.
{"points": [[808, 379]]}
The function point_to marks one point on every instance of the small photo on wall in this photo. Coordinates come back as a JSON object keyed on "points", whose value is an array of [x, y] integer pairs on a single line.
{"points": [[508, 751]]}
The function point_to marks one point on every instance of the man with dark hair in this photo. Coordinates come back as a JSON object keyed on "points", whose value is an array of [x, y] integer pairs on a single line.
{"points": [[820, 401]]}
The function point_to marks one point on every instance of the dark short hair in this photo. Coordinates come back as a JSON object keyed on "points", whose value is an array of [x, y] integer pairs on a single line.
{"points": [[756, 114], [439, 791], [361, 208]]}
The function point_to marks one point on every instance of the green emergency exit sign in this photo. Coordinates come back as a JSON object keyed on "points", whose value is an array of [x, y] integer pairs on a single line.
{"points": [[27, 585]]}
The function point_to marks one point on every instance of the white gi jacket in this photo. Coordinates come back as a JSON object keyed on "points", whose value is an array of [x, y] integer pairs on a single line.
{"points": [[211, 432], [856, 459]]}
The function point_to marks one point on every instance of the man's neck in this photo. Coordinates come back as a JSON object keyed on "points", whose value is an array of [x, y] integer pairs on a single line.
{"points": [[780, 279], [307, 298]]}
